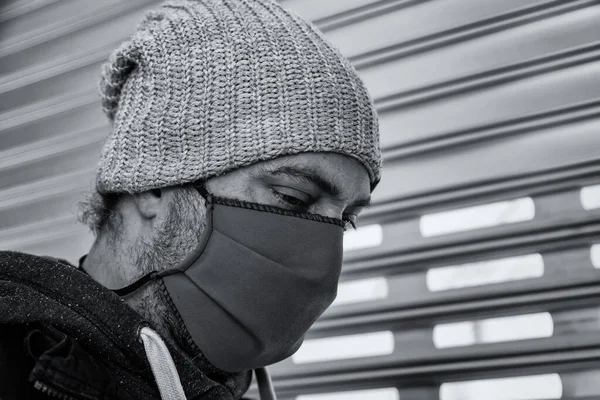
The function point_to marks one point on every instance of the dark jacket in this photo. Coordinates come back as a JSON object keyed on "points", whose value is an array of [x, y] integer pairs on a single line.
{"points": [[63, 335]]}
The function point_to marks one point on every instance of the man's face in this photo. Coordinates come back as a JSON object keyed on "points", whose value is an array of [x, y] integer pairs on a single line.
{"points": [[328, 184]]}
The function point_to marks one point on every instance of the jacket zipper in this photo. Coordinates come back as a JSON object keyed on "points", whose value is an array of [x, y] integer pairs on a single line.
{"points": [[51, 392]]}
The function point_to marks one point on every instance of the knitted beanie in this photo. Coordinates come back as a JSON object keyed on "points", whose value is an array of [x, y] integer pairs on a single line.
{"points": [[204, 87]]}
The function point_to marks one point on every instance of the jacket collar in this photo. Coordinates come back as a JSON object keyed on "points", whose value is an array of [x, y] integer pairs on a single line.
{"points": [[52, 292]]}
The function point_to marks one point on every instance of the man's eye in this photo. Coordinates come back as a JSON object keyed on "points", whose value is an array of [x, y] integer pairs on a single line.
{"points": [[290, 200], [293, 200]]}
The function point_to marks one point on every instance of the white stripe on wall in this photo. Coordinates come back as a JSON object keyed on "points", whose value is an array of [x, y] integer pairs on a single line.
{"points": [[548, 386], [477, 217], [595, 255], [345, 347], [590, 197], [361, 290], [372, 394], [363, 238], [485, 272], [493, 330]]}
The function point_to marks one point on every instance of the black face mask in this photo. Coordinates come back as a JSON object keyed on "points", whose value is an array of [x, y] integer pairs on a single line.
{"points": [[256, 283]]}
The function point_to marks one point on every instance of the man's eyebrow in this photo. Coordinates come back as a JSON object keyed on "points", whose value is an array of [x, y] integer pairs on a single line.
{"points": [[306, 175]]}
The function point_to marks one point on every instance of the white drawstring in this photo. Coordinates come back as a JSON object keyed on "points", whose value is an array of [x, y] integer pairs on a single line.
{"points": [[167, 377], [163, 367]]}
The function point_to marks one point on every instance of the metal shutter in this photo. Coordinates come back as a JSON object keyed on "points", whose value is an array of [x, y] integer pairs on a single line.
{"points": [[51, 124], [480, 259]]}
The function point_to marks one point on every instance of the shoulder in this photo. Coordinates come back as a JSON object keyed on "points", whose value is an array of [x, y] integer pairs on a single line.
{"points": [[7, 256], [14, 264]]}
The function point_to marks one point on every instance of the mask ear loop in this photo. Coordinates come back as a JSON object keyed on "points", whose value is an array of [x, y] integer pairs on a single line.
{"points": [[136, 285], [195, 254], [201, 188]]}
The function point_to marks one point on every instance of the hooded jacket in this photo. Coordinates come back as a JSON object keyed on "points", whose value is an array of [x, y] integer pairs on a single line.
{"points": [[64, 336]]}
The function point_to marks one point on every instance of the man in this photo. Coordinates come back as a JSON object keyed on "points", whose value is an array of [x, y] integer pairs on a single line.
{"points": [[242, 145]]}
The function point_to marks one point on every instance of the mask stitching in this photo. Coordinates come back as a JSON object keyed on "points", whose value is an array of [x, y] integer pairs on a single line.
{"points": [[188, 338], [277, 210], [210, 198]]}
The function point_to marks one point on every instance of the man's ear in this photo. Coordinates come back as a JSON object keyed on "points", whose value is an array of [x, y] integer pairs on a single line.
{"points": [[148, 203]]}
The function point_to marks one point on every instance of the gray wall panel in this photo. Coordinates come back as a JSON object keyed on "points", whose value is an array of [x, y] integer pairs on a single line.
{"points": [[74, 119], [52, 16], [315, 10], [504, 156], [81, 79], [538, 94], [85, 36], [420, 20], [485, 55]]}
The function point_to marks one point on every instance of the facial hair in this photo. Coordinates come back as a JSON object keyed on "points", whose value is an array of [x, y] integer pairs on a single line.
{"points": [[171, 242]]}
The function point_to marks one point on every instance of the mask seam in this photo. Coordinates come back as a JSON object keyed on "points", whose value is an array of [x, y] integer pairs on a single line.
{"points": [[188, 338], [277, 210], [280, 265], [189, 341], [172, 304]]}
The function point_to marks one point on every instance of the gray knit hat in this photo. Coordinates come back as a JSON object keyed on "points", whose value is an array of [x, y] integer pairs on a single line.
{"points": [[208, 86]]}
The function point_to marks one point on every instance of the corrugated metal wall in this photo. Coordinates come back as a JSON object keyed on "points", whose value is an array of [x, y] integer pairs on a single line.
{"points": [[480, 258]]}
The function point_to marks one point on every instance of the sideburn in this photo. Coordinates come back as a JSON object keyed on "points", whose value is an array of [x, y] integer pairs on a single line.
{"points": [[177, 236]]}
